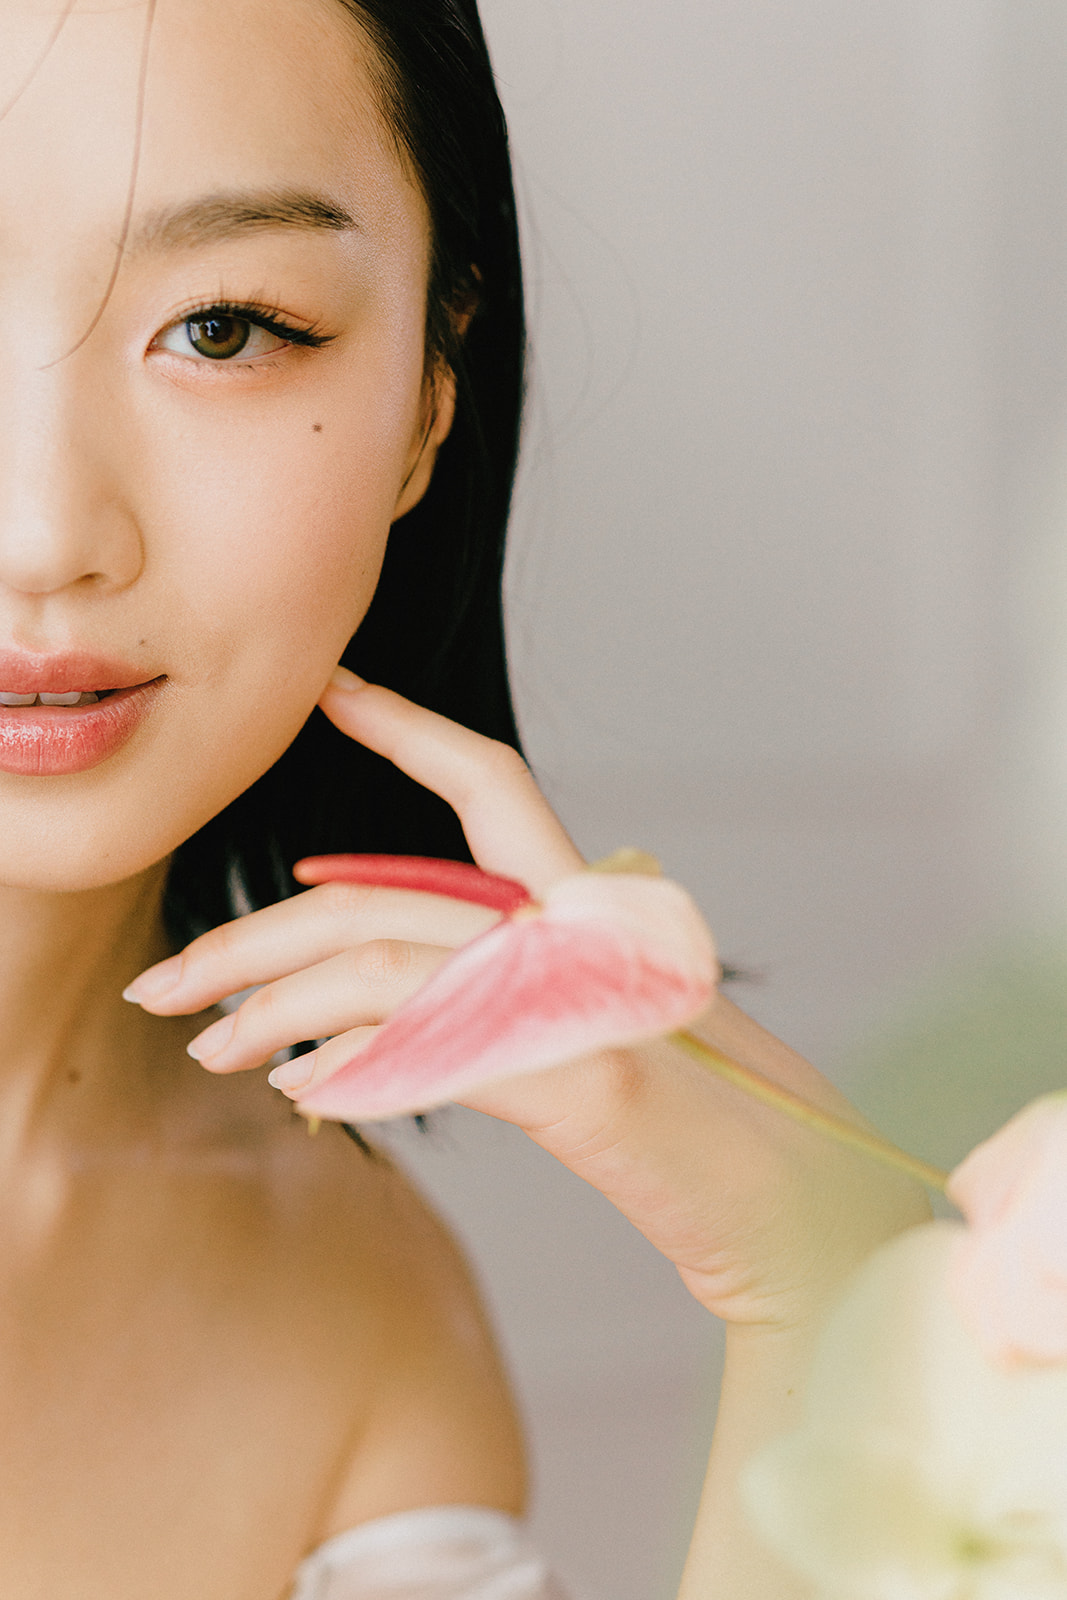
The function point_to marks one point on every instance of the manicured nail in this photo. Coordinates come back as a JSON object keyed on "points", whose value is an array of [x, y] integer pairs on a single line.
{"points": [[341, 678], [291, 1075], [213, 1039], [156, 982]]}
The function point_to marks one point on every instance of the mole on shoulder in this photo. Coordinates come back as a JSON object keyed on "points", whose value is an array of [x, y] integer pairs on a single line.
{"points": [[316, 427]]}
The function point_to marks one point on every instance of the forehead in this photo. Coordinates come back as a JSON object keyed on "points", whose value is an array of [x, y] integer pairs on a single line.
{"points": [[209, 95]]}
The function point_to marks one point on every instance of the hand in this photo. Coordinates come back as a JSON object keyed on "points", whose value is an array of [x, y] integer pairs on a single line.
{"points": [[762, 1218]]}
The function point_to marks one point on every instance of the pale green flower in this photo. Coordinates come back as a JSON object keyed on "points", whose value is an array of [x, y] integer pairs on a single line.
{"points": [[921, 1470]]}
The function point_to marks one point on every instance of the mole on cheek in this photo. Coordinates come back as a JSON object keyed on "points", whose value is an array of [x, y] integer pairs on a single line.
{"points": [[316, 427]]}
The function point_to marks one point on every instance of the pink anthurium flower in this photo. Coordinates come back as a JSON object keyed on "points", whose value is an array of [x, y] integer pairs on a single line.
{"points": [[1009, 1275], [457, 880], [605, 960]]}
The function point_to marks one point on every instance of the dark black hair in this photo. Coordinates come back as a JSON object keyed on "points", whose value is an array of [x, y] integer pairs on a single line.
{"points": [[434, 630]]}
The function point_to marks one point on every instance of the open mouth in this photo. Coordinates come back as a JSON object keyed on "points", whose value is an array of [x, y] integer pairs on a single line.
{"points": [[59, 731], [70, 697], [75, 698]]}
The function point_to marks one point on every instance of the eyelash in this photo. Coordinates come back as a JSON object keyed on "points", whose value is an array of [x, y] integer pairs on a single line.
{"points": [[261, 315]]}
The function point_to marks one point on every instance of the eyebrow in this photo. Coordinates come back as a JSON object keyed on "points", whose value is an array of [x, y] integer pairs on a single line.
{"points": [[216, 217]]}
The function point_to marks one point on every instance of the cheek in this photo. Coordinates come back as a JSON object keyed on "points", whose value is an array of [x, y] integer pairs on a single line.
{"points": [[284, 551], [272, 562], [263, 541], [274, 543]]}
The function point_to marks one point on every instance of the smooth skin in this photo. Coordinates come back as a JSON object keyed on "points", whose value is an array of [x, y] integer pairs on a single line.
{"points": [[221, 1341], [762, 1219]]}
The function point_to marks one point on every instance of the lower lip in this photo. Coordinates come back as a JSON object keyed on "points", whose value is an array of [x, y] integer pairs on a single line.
{"points": [[50, 741]]}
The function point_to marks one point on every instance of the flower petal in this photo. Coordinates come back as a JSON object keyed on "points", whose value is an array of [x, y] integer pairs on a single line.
{"points": [[608, 961], [920, 1469], [1009, 1276]]}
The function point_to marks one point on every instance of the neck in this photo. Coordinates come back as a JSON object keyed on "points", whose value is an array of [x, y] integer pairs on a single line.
{"points": [[68, 1039]]}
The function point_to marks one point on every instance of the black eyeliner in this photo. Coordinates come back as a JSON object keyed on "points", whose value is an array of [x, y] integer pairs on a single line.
{"points": [[261, 316]]}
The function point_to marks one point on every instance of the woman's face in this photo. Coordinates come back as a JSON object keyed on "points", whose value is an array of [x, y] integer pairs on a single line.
{"points": [[198, 505]]}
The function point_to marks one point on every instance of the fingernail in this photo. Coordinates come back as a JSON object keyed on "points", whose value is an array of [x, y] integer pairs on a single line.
{"points": [[291, 1075], [213, 1039], [341, 678], [157, 981]]}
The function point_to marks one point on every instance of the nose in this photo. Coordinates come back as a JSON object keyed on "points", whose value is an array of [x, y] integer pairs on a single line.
{"points": [[65, 516]]}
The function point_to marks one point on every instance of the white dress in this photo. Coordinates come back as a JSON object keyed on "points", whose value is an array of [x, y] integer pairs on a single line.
{"points": [[442, 1553]]}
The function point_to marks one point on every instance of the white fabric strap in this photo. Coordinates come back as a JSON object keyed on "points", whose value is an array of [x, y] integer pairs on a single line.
{"points": [[443, 1553]]}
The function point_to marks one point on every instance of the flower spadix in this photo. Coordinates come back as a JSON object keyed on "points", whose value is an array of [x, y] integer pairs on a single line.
{"points": [[604, 959]]}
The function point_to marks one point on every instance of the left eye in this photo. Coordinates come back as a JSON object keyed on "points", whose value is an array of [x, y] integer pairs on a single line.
{"points": [[219, 336]]}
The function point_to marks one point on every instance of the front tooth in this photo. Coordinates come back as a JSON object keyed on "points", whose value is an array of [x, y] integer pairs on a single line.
{"points": [[17, 699], [70, 699]]}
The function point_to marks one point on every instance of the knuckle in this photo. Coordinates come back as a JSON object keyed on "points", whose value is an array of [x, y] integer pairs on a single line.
{"points": [[234, 939], [217, 946], [382, 963], [617, 1080], [505, 762], [610, 1100], [496, 766], [254, 1015]]}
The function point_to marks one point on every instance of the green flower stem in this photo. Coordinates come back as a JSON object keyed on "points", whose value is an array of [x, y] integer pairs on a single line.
{"points": [[791, 1105]]}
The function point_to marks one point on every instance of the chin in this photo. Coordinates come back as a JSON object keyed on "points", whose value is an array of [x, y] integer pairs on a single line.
{"points": [[124, 816], [70, 843]]}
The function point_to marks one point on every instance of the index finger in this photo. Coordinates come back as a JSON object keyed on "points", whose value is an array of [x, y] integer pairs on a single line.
{"points": [[508, 823]]}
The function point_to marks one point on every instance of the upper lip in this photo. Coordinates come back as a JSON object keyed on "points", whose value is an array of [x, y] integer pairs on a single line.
{"points": [[24, 673]]}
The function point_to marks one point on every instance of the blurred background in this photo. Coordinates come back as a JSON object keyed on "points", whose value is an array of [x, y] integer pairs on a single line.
{"points": [[788, 607]]}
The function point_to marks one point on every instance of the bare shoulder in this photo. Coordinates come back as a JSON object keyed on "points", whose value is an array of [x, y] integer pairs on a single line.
{"points": [[440, 1426], [347, 1273]]}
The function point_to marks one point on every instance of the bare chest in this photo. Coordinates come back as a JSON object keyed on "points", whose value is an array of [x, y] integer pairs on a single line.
{"points": [[177, 1388]]}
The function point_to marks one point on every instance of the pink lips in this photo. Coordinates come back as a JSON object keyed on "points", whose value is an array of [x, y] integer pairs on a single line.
{"points": [[50, 741]]}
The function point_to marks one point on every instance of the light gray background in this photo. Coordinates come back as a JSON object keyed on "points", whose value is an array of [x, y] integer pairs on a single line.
{"points": [[788, 587]]}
